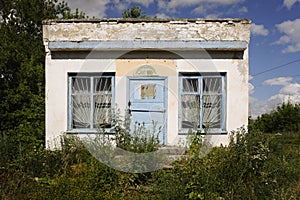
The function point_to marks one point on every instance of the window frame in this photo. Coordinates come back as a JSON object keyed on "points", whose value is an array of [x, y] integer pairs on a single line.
{"points": [[91, 94], [200, 77]]}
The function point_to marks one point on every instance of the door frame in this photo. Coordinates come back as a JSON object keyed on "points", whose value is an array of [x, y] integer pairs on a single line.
{"points": [[165, 89]]}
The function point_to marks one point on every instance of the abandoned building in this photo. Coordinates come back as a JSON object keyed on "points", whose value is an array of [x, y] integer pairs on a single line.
{"points": [[181, 74]]}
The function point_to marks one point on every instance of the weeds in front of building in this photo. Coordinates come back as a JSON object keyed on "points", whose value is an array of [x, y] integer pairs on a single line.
{"points": [[255, 165]]}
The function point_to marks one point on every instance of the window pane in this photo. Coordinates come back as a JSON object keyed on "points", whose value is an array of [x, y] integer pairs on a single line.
{"points": [[190, 85], [212, 111], [148, 91], [102, 85], [102, 111], [81, 111], [190, 111], [81, 85], [212, 85]]}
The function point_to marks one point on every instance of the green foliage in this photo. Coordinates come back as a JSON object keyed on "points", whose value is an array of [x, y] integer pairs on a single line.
{"points": [[134, 12], [286, 118], [22, 66], [138, 140], [254, 166], [132, 147]]}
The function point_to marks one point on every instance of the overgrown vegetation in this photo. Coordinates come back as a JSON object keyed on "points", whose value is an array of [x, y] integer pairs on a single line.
{"points": [[22, 57], [255, 165], [286, 118], [136, 139], [262, 163]]}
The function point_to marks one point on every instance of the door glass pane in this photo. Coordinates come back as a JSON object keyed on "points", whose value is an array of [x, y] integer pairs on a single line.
{"points": [[190, 111], [212, 85], [81, 111], [81, 85], [212, 111], [148, 91], [190, 85]]}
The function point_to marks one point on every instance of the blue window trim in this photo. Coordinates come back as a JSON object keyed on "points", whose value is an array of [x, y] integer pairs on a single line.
{"points": [[199, 77], [91, 76]]}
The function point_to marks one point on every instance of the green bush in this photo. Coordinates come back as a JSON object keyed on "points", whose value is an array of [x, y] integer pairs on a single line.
{"points": [[138, 140], [255, 165], [286, 118]]}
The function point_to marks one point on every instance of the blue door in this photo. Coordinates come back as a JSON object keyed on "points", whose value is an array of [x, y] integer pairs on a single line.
{"points": [[147, 103]]}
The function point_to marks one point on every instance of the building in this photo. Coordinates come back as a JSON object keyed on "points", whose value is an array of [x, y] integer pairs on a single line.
{"points": [[181, 73]]}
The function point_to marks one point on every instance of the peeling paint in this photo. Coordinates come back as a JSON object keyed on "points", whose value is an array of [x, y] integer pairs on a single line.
{"points": [[243, 69], [205, 30]]}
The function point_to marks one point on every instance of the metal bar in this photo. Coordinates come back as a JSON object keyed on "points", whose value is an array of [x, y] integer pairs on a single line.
{"points": [[161, 111]]}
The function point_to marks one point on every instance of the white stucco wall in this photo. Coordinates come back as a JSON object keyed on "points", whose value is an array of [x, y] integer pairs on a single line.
{"points": [[57, 69]]}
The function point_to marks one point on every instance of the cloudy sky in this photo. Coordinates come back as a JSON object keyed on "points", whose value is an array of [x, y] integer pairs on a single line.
{"points": [[275, 38]]}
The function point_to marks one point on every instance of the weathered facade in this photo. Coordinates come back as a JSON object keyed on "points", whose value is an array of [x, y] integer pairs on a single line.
{"points": [[183, 74]]}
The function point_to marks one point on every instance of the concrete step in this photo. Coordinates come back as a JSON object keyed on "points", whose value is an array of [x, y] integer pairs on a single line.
{"points": [[165, 155], [172, 150]]}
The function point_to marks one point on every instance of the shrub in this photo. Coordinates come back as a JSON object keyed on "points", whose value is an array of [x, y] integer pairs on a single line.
{"points": [[286, 118], [251, 167]]}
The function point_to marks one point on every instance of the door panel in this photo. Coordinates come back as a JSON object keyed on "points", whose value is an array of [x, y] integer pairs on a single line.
{"points": [[147, 103]]}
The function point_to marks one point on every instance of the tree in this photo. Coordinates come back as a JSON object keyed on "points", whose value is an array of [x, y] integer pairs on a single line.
{"points": [[134, 12], [22, 64], [286, 118]]}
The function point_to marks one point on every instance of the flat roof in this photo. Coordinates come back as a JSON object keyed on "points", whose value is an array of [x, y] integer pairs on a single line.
{"points": [[159, 20]]}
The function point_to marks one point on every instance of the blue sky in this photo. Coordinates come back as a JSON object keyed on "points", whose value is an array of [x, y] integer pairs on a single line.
{"points": [[274, 57]]}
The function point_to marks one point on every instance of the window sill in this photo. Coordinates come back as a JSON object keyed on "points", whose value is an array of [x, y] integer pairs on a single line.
{"points": [[87, 131], [215, 132]]}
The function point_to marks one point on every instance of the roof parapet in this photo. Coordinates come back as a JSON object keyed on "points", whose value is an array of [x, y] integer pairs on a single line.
{"points": [[158, 20]]}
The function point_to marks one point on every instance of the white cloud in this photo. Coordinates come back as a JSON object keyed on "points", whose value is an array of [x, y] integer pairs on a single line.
{"points": [[290, 92], [283, 40], [98, 8], [161, 15], [214, 15], [292, 48], [173, 4], [145, 3], [91, 8], [278, 81], [161, 4], [119, 5], [202, 6], [250, 88], [258, 107], [291, 37], [289, 3], [199, 10], [243, 9], [250, 85], [281, 98], [259, 30]]}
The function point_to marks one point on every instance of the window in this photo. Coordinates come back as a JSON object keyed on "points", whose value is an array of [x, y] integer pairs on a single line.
{"points": [[202, 102], [91, 100]]}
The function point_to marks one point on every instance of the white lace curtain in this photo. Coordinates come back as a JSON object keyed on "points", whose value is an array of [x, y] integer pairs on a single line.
{"points": [[211, 102], [91, 102]]}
